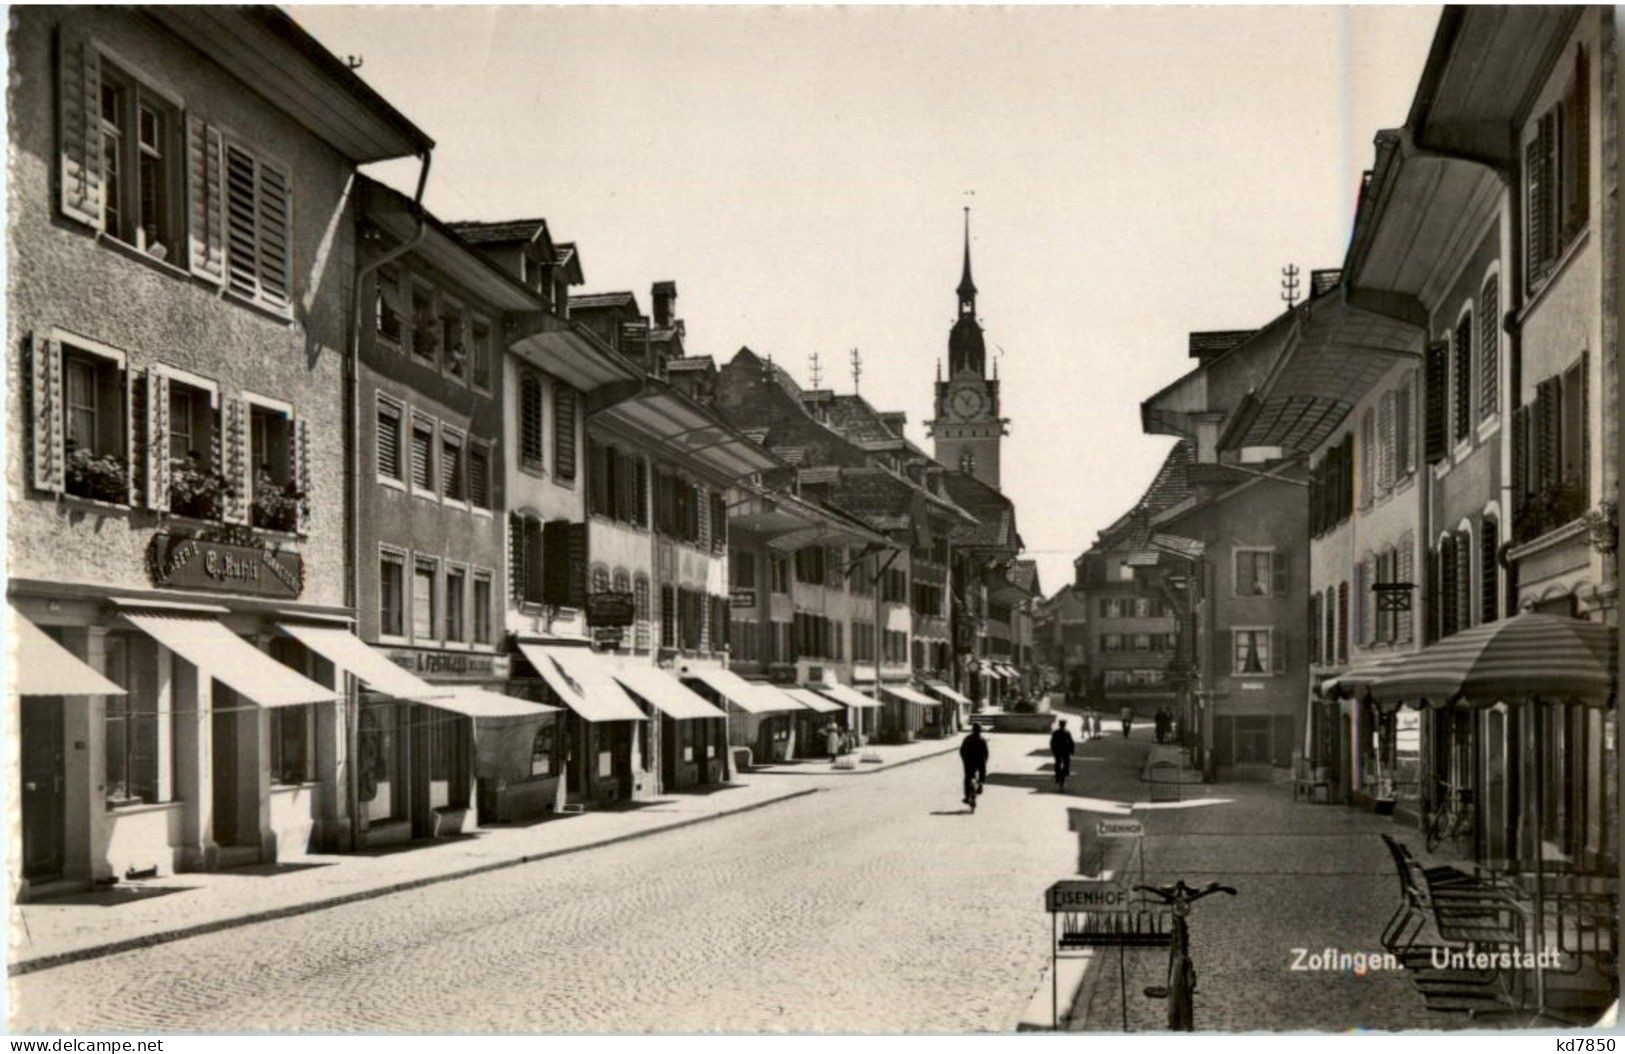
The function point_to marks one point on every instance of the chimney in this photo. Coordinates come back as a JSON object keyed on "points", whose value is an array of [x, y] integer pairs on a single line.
{"points": [[1324, 281], [664, 297], [894, 421]]}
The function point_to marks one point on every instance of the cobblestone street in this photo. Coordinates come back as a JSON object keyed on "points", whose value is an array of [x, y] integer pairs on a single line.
{"points": [[876, 904]]}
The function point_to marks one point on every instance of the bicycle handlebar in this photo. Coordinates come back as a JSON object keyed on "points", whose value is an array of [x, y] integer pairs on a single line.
{"points": [[1179, 891]]}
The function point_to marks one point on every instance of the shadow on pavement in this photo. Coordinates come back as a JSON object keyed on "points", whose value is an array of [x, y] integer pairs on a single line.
{"points": [[117, 896], [950, 812]]}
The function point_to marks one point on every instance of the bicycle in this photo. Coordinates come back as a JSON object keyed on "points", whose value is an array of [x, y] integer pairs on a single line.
{"points": [[975, 789], [1181, 988], [1450, 816]]}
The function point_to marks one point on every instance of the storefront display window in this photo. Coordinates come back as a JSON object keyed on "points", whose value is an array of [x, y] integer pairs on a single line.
{"points": [[542, 749], [292, 760], [132, 724], [379, 764]]}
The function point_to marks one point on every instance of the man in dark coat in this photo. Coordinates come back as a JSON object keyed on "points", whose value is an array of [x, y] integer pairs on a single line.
{"points": [[973, 757], [1060, 747]]}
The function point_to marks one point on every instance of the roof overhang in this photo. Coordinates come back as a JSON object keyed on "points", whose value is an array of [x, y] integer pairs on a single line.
{"points": [[787, 523], [1419, 214], [661, 414], [1335, 354], [571, 353], [275, 57], [1482, 73], [396, 215]]}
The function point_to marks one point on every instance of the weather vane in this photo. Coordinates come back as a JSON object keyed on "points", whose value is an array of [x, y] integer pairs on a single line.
{"points": [[1289, 284]]}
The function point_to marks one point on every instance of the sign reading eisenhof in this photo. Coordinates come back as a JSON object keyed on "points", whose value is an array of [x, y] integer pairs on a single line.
{"points": [[1119, 829], [192, 563], [1087, 894]]}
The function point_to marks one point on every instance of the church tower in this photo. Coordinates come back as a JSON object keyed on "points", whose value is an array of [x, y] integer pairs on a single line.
{"points": [[968, 429]]}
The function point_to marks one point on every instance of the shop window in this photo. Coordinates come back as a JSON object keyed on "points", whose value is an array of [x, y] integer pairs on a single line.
{"points": [[482, 607], [378, 767], [292, 733], [456, 579], [132, 725], [423, 600], [542, 748], [391, 595], [446, 747]]}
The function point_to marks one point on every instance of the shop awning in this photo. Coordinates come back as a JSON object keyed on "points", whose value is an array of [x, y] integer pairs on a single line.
{"points": [[813, 701], [479, 703], [751, 697], [908, 695], [41, 666], [1355, 682], [848, 696], [585, 681], [666, 693], [1529, 656], [946, 693], [989, 670], [348, 652], [217, 651]]}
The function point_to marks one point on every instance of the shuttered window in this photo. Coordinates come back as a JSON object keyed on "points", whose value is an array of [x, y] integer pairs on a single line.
{"points": [[564, 432], [1404, 452], [1557, 163], [258, 213], [479, 474], [530, 421], [1462, 388], [422, 454], [1489, 348], [452, 474], [1489, 570], [1343, 622], [1463, 580], [1435, 427], [1406, 572], [389, 440], [1314, 628], [1368, 457]]}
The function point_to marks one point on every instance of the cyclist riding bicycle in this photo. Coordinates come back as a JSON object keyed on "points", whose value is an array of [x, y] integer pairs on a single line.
{"points": [[973, 758]]}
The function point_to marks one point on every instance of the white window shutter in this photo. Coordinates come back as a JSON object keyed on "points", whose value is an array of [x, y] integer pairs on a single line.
{"points": [[275, 200], [205, 201], [300, 458], [50, 454], [157, 440], [79, 128], [236, 461]]}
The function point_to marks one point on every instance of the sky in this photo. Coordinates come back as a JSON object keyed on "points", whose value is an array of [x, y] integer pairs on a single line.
{"points": [[1133, 174]]}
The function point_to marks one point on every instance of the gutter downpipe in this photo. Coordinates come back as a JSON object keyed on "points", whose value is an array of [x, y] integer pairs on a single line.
{"points": [[352, 455]]}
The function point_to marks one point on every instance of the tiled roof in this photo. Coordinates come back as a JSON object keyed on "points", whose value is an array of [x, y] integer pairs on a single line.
{"points": [[591, 300], [853, 417], [1171, 485], [482, 232], [1024, 573], [1207, 344], [790, 455], [995, 514]]}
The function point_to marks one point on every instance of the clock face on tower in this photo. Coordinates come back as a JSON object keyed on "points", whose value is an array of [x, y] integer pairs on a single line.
{"points": [[966, 402]]}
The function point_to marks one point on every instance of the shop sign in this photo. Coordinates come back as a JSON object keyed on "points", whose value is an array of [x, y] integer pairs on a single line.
{"points": [[742, 598], [608, 636], [1081, 894], [1119, 829], [781, 673], [609, 609], [177, 562], [457, 663]]}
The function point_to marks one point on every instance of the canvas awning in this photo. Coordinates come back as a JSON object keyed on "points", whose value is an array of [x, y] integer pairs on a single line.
{"points": [[504, 729], [221, 654], [990, 670], [584, 681], [908, 695], [813, 701], [1355, 682], [749, 696], [38, 665], [946, 693], [348, 652], [481, 704], [849, 696], [1529, 656], [666, 693]]}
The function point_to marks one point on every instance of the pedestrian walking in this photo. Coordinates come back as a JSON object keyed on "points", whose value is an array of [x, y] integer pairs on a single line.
{"points": [[973, 759], [1127, 716], [1094, 719], [1162, 723], [832, 740], [1060, 748]]}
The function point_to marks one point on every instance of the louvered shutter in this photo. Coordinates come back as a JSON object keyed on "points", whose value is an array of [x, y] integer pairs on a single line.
{"points": [[564, 432], [1489, 348], [49, 410], [242, 224], [157, 420], [535, 561], [1430, 596], [236, 463], [642, 472], [1520, 461], [79, 128], [1314, 628], [1578, 206], [1385, 442], [516, 557], [1405, 620], [205, 201], [127, 388], [1361, 584], [1435, 431], [1278, 573], [1548, 191], [719, 521], [1462, 410], [1448, 612], [564, 549], [1550, 428], [1572, 434], [299, 457], [1278, 647], [702, 517], [275, 201], [389, 442], [1490, 593]]}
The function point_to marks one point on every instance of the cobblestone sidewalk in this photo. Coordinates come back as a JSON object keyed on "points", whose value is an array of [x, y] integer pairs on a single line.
{"points": [[1308, 876], [132, 914]]}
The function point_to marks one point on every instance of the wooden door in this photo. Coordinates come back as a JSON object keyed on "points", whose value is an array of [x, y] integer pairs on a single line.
{"points": [[43, 785]]}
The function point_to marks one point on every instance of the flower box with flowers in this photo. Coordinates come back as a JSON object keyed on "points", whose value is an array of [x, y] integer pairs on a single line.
{"points": [[99, 477], [196, 492], [276, 505]]}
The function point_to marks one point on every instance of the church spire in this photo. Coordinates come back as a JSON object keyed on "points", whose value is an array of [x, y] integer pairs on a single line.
{"points": [[967, 288]]}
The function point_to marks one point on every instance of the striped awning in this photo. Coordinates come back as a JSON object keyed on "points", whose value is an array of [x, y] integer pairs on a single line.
{"points": [[1356, 681], [1549, 657]]}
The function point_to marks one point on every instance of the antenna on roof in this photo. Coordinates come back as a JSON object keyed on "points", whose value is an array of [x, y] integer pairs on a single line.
{"points": [[857, 369], [817, 373], [1289, 284]]}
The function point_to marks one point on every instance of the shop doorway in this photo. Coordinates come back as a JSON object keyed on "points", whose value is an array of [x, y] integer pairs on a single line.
{"points": [[235, 796], [43, 786]]}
